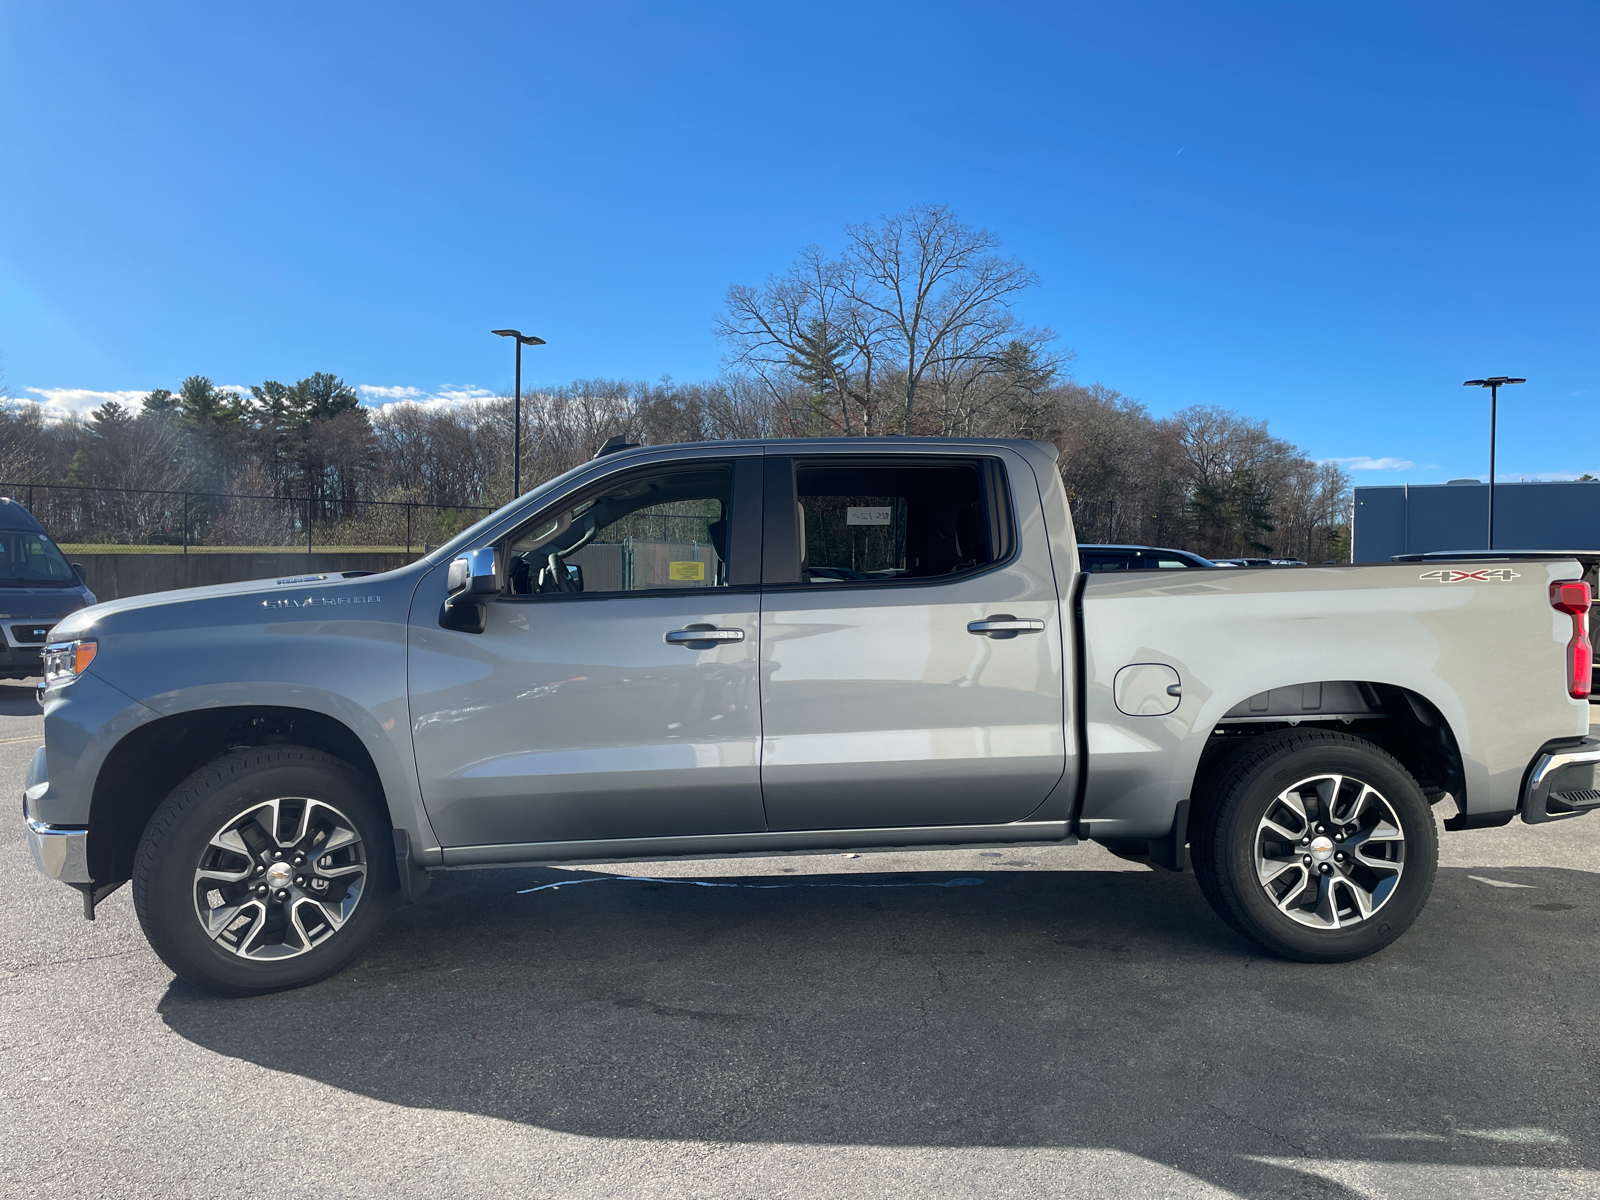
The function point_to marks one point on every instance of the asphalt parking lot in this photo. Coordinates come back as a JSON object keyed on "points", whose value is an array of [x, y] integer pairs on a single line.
{"points": [[1045, 1022]]}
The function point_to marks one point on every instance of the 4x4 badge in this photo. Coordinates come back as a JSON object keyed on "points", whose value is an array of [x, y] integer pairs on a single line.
{"points": [[1488, 575]]}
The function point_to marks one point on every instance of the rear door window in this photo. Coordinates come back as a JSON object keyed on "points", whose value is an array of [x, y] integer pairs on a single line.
{"points": [[872, 524]]}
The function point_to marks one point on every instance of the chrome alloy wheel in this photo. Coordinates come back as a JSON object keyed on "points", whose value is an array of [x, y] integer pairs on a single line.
{"points": [[1329, 851], [280, 879]]}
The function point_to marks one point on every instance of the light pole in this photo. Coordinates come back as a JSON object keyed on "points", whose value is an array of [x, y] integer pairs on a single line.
{"points": [[516, 407], [1494, 384]]}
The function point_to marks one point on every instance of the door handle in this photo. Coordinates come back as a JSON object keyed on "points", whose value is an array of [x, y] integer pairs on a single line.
{"points": [[693, 638], [1004, 625]]}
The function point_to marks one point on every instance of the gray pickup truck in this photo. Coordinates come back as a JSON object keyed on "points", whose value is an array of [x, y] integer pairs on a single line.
{"points": [[781, 647]]}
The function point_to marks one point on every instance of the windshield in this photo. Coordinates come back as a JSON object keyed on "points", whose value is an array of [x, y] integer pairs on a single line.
{"points": [[29, 559]]}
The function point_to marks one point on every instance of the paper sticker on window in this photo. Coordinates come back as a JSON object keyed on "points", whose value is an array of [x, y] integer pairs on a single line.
{"points": [[695, 571], [868, 516]]}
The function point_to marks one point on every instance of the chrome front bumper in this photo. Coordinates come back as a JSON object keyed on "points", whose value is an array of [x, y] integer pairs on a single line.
{"points": [[60, 853]]}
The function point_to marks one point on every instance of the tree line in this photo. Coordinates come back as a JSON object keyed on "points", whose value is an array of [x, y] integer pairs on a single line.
{"points": [[910, 329]]}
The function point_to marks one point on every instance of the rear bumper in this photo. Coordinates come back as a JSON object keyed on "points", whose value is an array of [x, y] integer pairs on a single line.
{"points": [[1560, 781]]}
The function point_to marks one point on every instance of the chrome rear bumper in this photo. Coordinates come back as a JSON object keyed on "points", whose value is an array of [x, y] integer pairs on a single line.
{"points": [[1554, 792]]}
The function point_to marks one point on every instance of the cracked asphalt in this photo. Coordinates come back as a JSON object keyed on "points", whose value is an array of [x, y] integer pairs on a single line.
{"points": [[1038, 1022]]}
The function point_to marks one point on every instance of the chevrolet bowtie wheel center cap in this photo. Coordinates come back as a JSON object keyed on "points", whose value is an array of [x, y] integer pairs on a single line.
{"points": [[280, 873], [1321, 850]]}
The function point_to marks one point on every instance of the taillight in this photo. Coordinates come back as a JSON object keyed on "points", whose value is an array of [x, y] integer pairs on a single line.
{"points": [[1572, 596]]}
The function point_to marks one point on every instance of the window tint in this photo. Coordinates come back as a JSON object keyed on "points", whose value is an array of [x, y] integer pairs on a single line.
{"points": [[1172, 562], [652, 531], [1105, 562], [32, 559], [884, 524]]}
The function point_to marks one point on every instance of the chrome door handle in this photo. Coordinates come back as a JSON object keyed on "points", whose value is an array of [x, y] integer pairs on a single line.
{"points": [[683, 637], [1003, 626]]}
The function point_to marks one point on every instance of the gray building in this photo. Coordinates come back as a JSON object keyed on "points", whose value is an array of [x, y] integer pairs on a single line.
{"points": [[1417, 518]]}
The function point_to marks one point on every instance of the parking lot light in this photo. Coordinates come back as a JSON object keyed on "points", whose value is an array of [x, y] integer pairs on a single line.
{"points": [[1494, 384], [516, 406]]}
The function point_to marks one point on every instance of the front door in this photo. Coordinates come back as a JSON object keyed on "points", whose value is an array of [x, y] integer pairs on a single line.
{"points": [[613, 692], [911, 645]]}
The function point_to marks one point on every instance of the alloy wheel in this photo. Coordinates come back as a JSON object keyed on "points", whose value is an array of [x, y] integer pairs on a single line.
{"points": [[280, 879], [1329, 851]]}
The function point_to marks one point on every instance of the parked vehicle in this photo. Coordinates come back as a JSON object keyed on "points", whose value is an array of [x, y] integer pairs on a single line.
{"points": [[37, 588], [796, 646], [1100, 557]]}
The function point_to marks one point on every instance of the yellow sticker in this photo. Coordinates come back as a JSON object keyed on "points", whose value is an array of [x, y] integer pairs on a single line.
{"points": [[687, 571]]}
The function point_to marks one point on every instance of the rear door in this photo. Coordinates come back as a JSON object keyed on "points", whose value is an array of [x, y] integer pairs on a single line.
{"points": [[911, 641]]}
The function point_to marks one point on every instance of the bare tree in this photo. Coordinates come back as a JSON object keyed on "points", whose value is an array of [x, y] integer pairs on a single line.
{"points": [[943, 296], [805, 326]]}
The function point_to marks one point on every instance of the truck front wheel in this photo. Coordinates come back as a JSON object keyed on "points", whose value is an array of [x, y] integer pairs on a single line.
{"points": [[1318, 845], [266, 869]]}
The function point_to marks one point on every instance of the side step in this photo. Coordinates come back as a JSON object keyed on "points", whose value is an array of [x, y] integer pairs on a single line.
{"points": [[1572, 802]]}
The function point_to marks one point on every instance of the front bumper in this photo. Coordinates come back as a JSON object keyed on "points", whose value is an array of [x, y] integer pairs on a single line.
{"points": [[60, 851], [1560, 782]]}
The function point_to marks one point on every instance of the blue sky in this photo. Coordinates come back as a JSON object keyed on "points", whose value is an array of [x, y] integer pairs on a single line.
{"points": [[1324, 215]]}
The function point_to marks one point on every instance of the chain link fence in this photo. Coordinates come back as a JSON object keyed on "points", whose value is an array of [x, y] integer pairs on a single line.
{"points": [[184, 521]]}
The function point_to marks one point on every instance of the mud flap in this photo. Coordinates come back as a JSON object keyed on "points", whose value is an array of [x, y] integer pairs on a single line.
{"points": [[1172, 851], [94, 893], [414, 880]]}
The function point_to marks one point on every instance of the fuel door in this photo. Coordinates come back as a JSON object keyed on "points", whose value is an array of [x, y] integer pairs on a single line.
{"points": [[1147, 689]]}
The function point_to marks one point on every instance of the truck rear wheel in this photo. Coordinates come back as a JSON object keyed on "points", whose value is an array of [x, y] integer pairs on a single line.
{"points": [[266, 869], [1318, 845]]}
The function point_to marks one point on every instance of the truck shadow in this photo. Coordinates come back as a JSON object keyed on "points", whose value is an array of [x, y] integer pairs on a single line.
{"points": [[1039, 1008], [17, 698]]}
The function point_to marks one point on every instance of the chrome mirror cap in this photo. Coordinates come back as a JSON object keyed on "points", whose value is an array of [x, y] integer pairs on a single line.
{"points": [[473, 574]]}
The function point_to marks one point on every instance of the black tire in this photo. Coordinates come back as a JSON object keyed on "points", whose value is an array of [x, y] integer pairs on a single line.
{"points": [[1232, 837], [250, 784]]}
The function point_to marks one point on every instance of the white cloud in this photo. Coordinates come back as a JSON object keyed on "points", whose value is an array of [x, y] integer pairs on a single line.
{"points": [[1362, 462], [373, 391], [447, 395], [61, 402]]}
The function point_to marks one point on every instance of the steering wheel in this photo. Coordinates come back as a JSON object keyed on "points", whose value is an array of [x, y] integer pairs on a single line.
{"points": [[558, 572]]}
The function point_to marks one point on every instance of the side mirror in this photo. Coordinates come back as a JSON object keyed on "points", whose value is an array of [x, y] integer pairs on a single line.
{"points": [[575, 576], [83, 575], [472, 574], [470, 579]]}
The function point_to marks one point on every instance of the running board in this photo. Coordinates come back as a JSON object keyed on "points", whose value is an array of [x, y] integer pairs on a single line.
{"points": [[759, 845]]}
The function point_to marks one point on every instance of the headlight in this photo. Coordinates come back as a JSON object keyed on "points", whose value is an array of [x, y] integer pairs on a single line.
{"points": [[65, 661]]}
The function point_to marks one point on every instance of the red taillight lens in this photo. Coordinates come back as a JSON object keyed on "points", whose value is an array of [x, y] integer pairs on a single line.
{"points": [[1572, 596]]}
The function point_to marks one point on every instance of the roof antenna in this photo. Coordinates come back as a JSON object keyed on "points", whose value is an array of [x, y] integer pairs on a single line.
{"points": [[613, 444]]}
